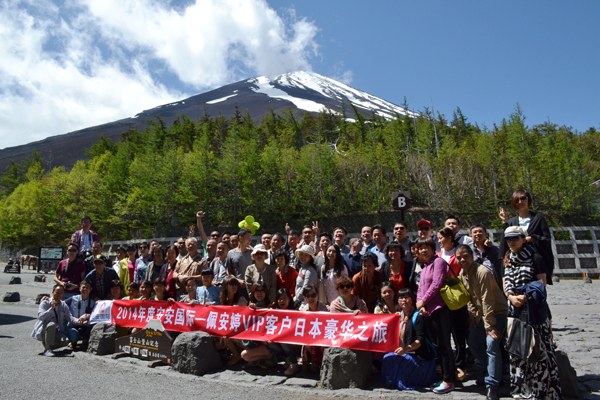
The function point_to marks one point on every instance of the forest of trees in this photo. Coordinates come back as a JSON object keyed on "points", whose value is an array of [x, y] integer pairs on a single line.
{"points": [[287, 167]]}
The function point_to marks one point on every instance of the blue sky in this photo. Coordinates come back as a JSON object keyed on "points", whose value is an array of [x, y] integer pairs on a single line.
{"points": [[70, 64]]}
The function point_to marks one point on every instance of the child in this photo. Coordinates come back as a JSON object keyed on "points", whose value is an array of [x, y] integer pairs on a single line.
{"points": [[208, 294], [133, 291]]}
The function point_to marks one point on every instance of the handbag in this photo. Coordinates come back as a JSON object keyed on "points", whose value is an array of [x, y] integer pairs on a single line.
{"points": [[523, 342], [454, 293]]}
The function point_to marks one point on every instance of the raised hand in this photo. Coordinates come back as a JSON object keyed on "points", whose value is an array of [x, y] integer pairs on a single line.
{"points": [[502, 215], [200, 214]]}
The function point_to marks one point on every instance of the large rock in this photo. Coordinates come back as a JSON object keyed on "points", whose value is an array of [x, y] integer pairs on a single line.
{"points": [[15, 280], [12, 297], [194, 353], [39, 278], [345, 368], [102, 339], [568, 377], [38, 298], [587, 279]]}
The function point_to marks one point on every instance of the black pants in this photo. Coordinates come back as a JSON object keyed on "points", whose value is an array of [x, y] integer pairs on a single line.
{"points": [[439, 327], [460, 334]]}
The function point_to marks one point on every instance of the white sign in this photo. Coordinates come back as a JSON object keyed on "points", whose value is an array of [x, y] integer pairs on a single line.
{"points": [[101, 312]]}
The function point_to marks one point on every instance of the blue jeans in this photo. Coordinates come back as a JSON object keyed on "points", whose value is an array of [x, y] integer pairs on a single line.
{"points": [[489, 351], [75, 332]]}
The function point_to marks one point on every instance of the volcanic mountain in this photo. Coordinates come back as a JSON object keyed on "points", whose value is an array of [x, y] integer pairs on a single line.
{"points": [[302, 91]]}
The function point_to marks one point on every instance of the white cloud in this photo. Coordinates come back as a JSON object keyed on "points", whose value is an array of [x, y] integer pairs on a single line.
{"points": [[87, 62], [341, 74]]}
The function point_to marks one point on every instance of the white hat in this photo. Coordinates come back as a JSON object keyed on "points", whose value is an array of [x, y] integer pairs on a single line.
{"points": [[259, 248], [306, 249], [514, 231]]}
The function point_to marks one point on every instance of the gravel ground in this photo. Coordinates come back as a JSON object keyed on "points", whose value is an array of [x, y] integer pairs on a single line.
{"points": [[26, 375]]}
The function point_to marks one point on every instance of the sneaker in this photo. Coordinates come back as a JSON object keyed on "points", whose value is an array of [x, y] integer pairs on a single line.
{"points": [[292, 370], [49, 353], [441, 389]]}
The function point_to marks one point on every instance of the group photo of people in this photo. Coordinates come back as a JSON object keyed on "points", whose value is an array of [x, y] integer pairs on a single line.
{"points": [[463, 300]]}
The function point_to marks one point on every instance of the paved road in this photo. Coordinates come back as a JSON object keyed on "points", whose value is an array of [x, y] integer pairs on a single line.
{"points": [[27, 375]]}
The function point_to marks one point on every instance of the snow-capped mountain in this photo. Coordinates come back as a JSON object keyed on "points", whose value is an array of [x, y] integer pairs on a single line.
{"points": [[302, 91]]}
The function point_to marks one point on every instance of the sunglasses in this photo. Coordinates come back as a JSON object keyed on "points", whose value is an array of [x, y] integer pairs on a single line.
{"points": [[143, 247], [311, 296], [425, 228], [522, 199], [399, 228], [215, 235], [513, 238], [342, 287], [72, 251]]}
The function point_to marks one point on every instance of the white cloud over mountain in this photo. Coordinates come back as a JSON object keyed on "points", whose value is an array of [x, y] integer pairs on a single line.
{"points": [[67, 65]]}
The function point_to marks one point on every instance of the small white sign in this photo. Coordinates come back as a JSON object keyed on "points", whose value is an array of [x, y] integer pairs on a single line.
{"points": [[101, 312]]}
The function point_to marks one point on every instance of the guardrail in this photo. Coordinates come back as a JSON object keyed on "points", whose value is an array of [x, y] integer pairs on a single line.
{"points": [[579, 253]]}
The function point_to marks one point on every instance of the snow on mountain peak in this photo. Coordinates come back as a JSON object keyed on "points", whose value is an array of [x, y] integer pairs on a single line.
{"points": [[326, 87]]}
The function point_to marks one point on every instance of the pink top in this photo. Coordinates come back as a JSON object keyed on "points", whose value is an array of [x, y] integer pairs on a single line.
{"points": [[432, 278], [131, 270]]}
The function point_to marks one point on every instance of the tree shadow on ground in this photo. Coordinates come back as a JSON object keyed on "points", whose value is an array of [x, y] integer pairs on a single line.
{"points": [[11, 319]]}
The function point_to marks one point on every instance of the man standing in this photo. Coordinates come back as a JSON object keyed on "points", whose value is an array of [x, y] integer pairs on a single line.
{"points": [[70, 272], [380, 239], [189, 267], [339, 236], [240, 258], [325, 240], [96, 253], [266, 240], [211, 250], [100, 279], [400, 236], [293, 240], [218, 264], [84, 237], [366, 234], [352, 259], [182, 248], [308, 237], [488, 310], [486, 253], [425, 231], [453, 223]]}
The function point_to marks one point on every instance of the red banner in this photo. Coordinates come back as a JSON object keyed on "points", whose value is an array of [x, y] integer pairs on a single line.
{"points": [[361, 332]]}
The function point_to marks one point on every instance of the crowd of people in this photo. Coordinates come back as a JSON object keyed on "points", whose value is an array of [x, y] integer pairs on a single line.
{"points": [[313, 271]]}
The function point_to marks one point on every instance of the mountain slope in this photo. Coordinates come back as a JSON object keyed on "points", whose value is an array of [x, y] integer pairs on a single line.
{"points": [[300, 90]]}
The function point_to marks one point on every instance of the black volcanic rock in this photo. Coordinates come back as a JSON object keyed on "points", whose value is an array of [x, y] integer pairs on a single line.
{"points": [[302, 91]]}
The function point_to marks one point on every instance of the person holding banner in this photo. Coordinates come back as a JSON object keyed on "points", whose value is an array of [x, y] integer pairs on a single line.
{"points": [[268, 351], [231, 296], [432, 306], [412, 365], [312, 356]]}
